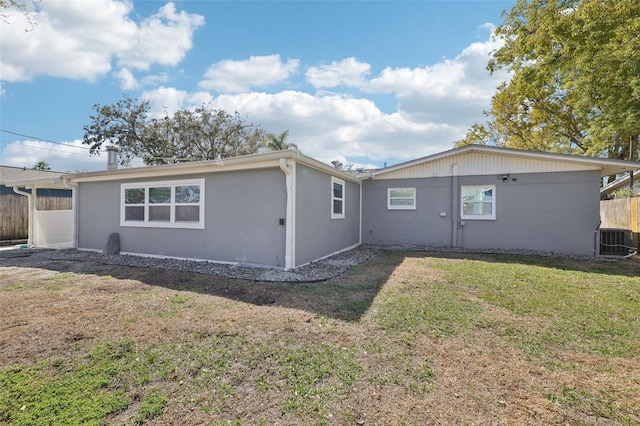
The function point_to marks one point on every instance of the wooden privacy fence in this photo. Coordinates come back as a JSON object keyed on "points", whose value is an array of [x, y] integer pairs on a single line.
{"points": [[14, 213], [622, 213]]}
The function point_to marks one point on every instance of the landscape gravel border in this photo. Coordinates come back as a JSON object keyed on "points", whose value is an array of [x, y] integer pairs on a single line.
{"points": [[320, 270]]}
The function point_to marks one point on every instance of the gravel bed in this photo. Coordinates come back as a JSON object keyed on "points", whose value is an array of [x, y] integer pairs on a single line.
{"points": [[320, 270]]}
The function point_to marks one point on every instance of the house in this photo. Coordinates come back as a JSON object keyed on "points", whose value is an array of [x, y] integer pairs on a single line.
{"points": [[27, 195], [284, 209], [279, 209], [628, 181], [482, 197]]}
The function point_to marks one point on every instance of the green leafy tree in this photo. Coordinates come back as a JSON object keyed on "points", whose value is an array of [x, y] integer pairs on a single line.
{"points": [[341, 166], [576, 79], [42, 165], [123, 124], [279, 142], [187, 135]]}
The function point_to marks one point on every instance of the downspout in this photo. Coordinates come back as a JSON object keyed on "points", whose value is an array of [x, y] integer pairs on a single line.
{"points": [[360, 232], [454, 205], [31, 208], [290, 221], [74, 207]]}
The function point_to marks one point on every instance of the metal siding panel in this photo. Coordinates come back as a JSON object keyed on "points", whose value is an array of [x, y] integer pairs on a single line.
{"points": [[475, 164]]}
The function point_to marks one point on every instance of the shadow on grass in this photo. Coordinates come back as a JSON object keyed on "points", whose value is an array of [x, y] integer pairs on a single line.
{"points": [[346, 297], [612, 266]]}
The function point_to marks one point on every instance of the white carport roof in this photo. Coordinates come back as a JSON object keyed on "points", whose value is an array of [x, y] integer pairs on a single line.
{"points": [[24, 177]]}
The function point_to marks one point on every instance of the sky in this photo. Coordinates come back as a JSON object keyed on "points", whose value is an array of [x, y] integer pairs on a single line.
{"points": [[366, 83]]}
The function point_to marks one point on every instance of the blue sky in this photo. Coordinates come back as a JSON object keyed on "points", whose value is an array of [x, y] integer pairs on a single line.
{"points": [[363, 82]]}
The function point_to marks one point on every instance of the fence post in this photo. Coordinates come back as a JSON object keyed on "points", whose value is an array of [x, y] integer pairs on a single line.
{"points": [[634, 220]]}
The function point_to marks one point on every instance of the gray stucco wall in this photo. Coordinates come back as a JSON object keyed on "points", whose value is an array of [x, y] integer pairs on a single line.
{"points": [[422, 226], [317, 235], [556, 212], [241, 220]]}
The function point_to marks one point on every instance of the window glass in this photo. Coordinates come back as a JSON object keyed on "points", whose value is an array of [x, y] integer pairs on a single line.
{"points": [[337, 190], [401, 202], [160, 195], [135, 213], [478, 202], [188, 194], [337, 198], [401, 198], [167, 204], [160, 213], [187, 213], [134, 196], [337, 206]]}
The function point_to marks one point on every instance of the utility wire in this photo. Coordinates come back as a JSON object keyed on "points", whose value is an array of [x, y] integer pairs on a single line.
{"points": [[43, 140]]}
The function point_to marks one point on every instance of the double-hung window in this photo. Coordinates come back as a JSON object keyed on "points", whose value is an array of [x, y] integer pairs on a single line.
{"points": [[478, 202], [167, 204], [401, 198], [337, 198]]}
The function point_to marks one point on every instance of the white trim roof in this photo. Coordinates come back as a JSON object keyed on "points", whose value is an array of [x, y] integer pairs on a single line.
{"points": [[621, 182], [22, 176], [521, 161], [244, 162]]}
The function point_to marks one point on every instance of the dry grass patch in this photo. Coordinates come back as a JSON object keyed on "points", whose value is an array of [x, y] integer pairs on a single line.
{"points": [[404, 338]]}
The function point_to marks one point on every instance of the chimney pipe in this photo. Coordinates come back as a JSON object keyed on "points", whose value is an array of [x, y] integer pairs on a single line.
{"points": [[112, 157]]}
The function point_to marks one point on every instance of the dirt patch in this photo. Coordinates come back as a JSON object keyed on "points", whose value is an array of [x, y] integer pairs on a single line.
{"points": [[61, 309]]}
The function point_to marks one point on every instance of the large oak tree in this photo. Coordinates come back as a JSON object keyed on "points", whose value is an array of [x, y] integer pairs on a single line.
{"points": [[576, 79], [187, 135]]}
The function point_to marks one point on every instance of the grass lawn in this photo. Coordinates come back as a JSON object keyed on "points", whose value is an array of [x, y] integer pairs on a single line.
{"points": [[404, 338]]}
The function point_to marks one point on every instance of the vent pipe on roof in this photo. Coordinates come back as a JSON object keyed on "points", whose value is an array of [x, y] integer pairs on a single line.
{"points": [[112, 157]]}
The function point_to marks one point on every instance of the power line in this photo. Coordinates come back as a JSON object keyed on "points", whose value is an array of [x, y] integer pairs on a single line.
{"points": [[56, 150], [37, 139]]}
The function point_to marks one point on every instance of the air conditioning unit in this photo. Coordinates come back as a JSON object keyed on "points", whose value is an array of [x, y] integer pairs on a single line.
{"points": [[615, 242]]}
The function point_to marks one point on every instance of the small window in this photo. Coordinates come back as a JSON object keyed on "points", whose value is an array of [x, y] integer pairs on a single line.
{"points": [[401, 198], [173, 204], [478, 202], [337, 198]]}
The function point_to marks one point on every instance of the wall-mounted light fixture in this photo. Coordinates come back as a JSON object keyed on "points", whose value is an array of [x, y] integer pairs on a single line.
{"points": [[506, 178]]}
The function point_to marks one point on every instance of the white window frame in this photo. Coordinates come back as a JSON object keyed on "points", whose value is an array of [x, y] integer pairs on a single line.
{"points": [[171, 223], [397, 206], [334, 215], [491, 216]]}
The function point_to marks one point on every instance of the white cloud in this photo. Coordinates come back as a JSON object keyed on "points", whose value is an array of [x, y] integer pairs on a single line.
{"points": [[79, 39], [331, 126], [454, 90], [167, 100], [126, 78], [230, 76], [68, 157], [129, 82], [163, 38], [436, 104], [348, 72]]}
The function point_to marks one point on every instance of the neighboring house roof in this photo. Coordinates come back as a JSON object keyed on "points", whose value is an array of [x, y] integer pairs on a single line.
{"points": [[621, 182], [245, 162], [482, 160], [22, 176]]}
